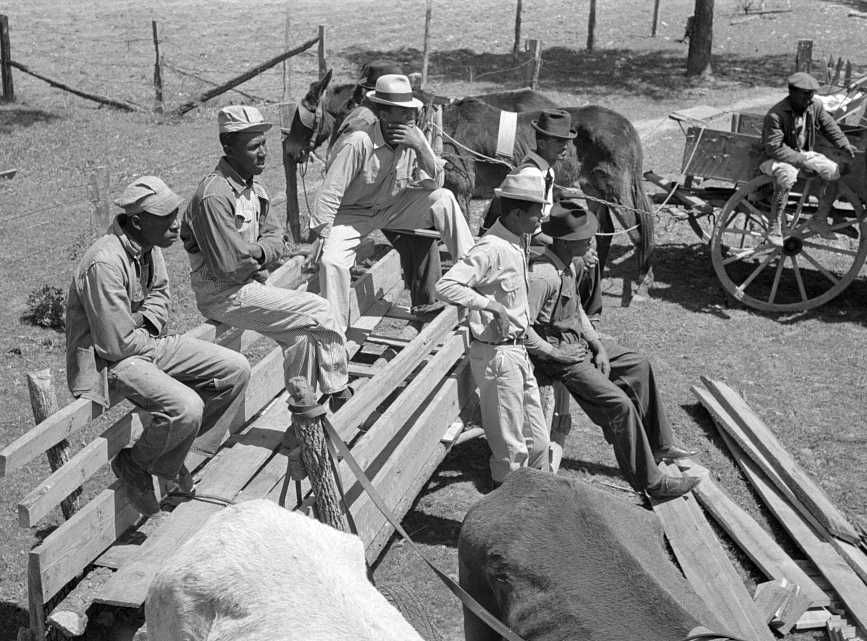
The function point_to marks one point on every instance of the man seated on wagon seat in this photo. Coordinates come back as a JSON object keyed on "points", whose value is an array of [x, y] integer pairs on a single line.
{"points": [[615, 386], [788, 140], [116, 317], [382, 176]]}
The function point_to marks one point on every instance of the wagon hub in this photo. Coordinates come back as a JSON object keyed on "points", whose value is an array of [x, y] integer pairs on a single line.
{"points": [[792, 246]]}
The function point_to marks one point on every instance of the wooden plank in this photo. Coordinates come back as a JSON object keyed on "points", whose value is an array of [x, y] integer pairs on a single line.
{"points": [[771, 596], [707, 568], [748, 123], [754, 540], [720, 154], [793, 475], [117, 555], [680, 194], [813, 619], [852, 591]]}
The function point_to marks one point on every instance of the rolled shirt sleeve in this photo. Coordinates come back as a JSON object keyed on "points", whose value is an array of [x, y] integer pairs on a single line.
{"points": [[226, 254]]}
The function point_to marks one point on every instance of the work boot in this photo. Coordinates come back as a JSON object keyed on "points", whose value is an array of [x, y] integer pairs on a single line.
{"points": [[137, 482], [670, 487], [671, 453], [338, 399], [183, 483], [428, 309], [775, 218]]}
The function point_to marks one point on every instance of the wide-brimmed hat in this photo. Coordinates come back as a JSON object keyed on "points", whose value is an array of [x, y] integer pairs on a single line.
{"points": [[375, 69], [570, 221], [149, 194], [235, 118], [556, 123], [803, 80], [529, 187], [394, 90]]}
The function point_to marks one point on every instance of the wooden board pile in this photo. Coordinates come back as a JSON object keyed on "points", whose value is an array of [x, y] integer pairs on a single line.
{"points": [[826, 590]]}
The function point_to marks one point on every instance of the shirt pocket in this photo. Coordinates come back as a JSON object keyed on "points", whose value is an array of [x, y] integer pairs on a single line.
{"points": [[510, 286]]}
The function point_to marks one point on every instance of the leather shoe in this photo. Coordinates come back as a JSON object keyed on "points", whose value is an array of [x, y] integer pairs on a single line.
{"points": [[428, 309], [671, 453], [338, 399], [137, 482], [671, 487], [183, 482]]}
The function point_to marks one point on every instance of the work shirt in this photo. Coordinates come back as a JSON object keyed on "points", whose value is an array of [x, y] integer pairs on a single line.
{"points": [[226, 219], [495, 268], [555, 305], [114, 280], [783, 140], [364, 175]]}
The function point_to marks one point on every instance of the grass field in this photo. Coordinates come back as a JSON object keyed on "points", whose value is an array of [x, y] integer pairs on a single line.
{"points": [[803, 373]]}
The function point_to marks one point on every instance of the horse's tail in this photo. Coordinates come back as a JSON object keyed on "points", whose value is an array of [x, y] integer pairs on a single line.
{"points": [[645, 219]]}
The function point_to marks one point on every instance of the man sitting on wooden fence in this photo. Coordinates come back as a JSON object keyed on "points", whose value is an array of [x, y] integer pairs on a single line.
{"points": [[788, 138], [491, 281], [384, 176], [116, 340], [616, 387], [232, 238]]}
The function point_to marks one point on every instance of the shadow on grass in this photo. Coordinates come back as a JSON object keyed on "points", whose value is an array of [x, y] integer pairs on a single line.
{"points": [[12, 617], [653, 74], [12, 118], [859, 5]]}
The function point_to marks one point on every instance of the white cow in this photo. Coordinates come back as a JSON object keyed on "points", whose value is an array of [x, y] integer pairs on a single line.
{"points": [[258, 572]]}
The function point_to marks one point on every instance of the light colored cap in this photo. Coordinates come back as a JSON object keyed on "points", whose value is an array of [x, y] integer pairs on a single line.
{"points": [[235, 118], [393, 89], [529, 187], [803, 80], [149, 194]]}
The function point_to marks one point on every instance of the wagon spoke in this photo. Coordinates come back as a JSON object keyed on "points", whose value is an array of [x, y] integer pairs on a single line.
{"points": [[742, 287], [829, 248], [755, 210], [827, 274], [799, 279], [744, 232], [775, 285], [752, 252]]}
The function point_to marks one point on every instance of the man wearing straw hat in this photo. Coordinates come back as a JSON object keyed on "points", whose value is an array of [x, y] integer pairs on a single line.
{"points": [[116, 342], [383, 176], [233, 239], [615, 386], [491, 281]]}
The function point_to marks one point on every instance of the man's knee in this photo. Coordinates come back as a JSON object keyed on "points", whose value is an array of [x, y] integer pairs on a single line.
{"points": [[443, 198], [785, 176], [236, 370], [186, 415]]}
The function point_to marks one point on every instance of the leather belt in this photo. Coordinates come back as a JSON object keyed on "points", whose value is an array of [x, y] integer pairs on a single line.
{"points": [[517, 340]]}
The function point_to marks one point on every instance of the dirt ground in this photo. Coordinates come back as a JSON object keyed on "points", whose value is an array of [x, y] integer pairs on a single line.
{"points": [[803, 373]]}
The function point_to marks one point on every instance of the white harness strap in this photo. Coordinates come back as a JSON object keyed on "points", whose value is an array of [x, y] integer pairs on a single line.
{"points": [[506, 134]]}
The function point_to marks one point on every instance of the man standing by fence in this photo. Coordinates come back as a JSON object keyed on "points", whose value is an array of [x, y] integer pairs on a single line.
{"points": [[116, 317], [233, 238]]}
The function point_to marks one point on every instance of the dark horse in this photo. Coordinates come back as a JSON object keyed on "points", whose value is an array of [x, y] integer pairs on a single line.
{"points": [[606, 159]]}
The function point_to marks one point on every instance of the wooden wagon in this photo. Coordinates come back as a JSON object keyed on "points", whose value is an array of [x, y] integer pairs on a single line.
{"points": [[728, 206]]}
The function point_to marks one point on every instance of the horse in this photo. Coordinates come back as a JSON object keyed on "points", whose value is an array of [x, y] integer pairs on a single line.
{"points": [[606, 159]]}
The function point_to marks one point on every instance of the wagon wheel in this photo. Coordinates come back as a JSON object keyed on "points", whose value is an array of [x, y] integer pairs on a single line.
{"points": [[805, 270]]}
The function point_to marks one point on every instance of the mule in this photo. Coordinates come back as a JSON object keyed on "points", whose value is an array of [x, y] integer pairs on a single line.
{"points": [[554, 558]]}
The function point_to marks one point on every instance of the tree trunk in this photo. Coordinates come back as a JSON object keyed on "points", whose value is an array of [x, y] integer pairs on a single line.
{"points": [[701, 40]]}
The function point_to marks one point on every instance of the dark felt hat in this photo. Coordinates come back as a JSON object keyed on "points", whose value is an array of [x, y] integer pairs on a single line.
{"points": [[570, 221], [803, 80], [556, 123], [372, 70]]}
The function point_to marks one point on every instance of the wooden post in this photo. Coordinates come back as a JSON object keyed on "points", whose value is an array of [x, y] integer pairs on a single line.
{"points": [[847, 77], [591, 26], [158, 74], [516, 48], [655, 22], [835, 80], [98, 186], [286, 63], [804, 55], [43, 400], [426, 53], [314, 455], [323, 67], [5, 58], [535, 48], [290, 171]]}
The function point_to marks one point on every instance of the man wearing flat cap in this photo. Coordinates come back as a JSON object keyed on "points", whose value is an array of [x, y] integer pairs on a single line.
{"points": [[419, 256], [491, 282], [788, 140], [615, 386], [233, 240], [116, 343], [382, 176]]}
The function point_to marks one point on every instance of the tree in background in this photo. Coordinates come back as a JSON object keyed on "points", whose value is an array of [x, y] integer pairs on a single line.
{"points": [[700, 40]]}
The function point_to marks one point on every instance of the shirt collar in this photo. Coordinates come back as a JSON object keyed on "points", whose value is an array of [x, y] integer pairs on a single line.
{"points": [[541, 162], [376, 136], [557, 262], [130, 246], [499, 229], [234, 179]]}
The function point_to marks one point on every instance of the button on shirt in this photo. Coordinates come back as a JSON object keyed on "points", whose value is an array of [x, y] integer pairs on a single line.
{"points": [[364, 175], [494, 269]]}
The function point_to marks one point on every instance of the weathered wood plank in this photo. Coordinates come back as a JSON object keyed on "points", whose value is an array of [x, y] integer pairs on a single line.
{"points": [[706, 566], [808, 492]]}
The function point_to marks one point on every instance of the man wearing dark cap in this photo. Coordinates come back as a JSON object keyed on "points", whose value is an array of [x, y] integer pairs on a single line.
{"points": [[116, 343], [233, 240], [616, 387], [419, 256], [491, 282], [788, 140]]}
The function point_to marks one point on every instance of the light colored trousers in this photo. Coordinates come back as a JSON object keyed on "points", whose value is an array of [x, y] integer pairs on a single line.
{"points": [[512, 414], [411, 209], [785, 175], [300, 322], [191, 387]]}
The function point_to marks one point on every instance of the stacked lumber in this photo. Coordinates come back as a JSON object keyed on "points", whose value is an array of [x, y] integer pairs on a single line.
{"points": [[835, 574]]}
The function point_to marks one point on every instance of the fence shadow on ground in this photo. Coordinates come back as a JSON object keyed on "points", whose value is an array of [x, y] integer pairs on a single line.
{"points": [[654, 74], [12, 118]]}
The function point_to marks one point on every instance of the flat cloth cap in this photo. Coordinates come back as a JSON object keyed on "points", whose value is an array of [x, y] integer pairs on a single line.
{"points": [[149, 194], [803, 80], [235, 118]]}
